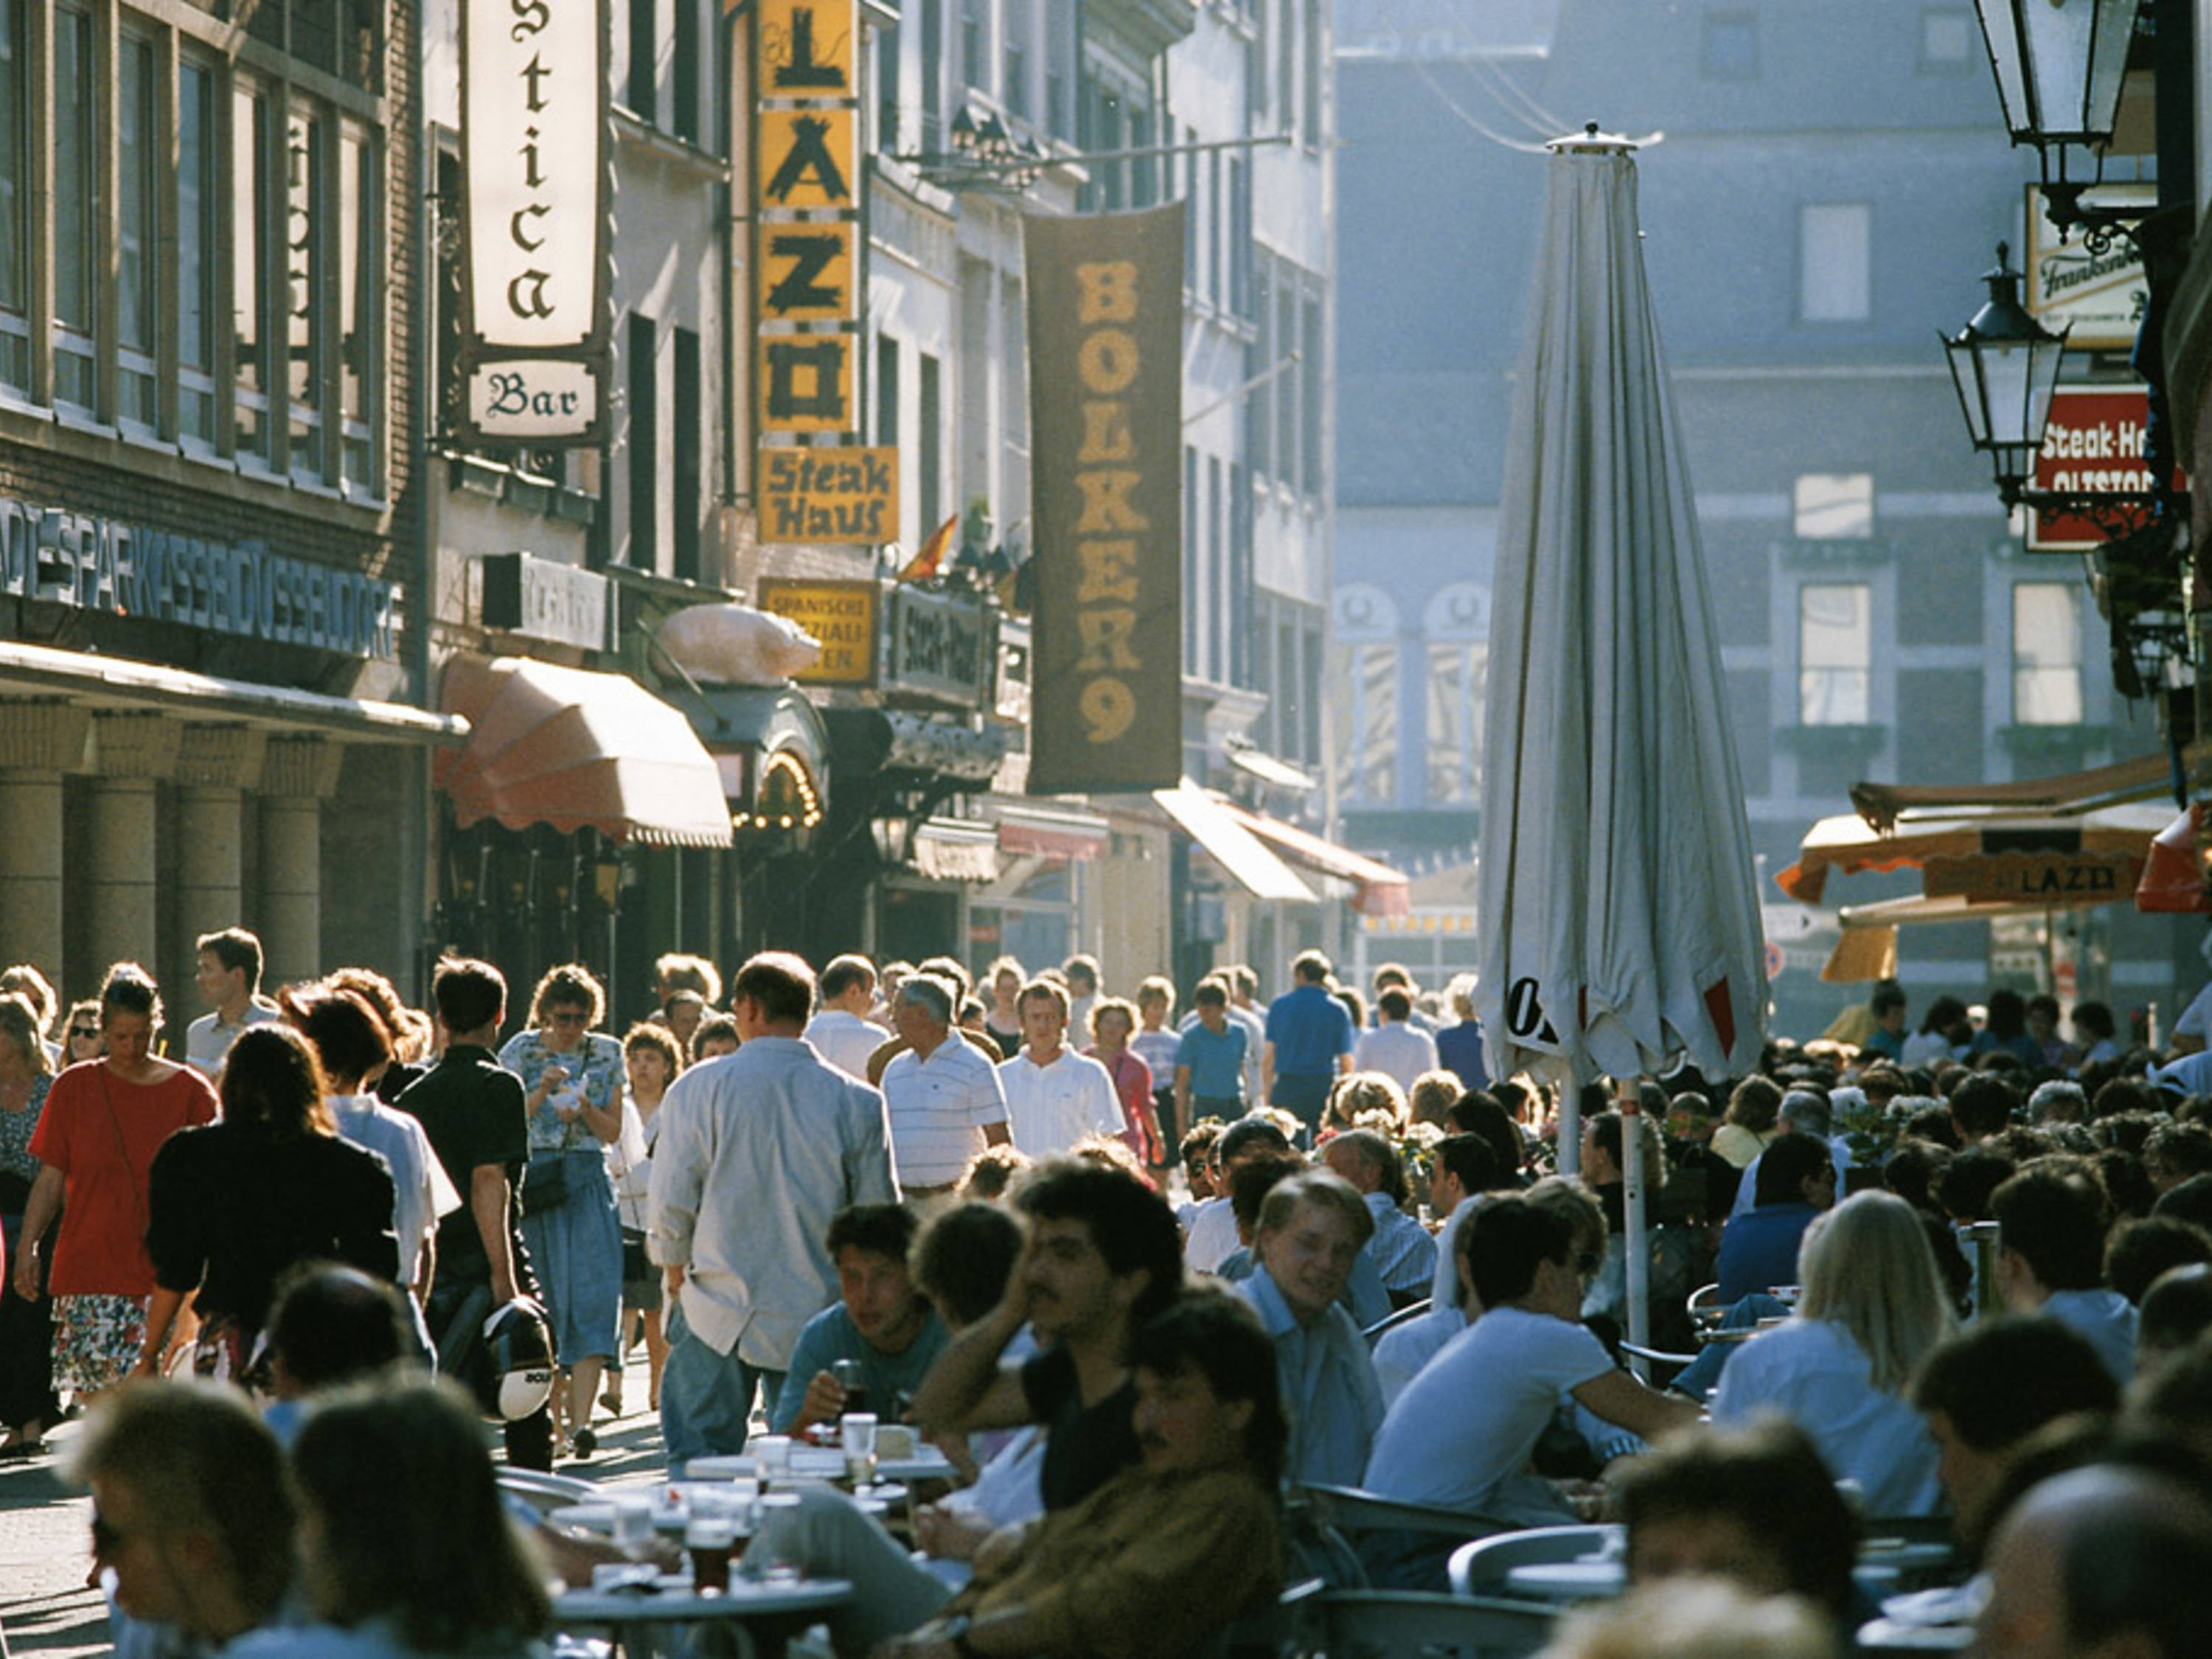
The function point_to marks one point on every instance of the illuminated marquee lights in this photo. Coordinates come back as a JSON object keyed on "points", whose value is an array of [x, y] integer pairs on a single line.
{"points": [[786, 797]]}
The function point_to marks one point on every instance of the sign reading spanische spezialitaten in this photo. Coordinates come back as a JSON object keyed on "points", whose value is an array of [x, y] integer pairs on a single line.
{"points": [[1106, 415], [534, 151]]}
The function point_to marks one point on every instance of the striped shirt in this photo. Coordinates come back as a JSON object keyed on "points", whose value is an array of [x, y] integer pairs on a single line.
{"points": [[940, 1108]]}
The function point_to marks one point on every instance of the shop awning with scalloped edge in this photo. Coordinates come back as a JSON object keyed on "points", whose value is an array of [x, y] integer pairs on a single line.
{"points": [[576, 749]]}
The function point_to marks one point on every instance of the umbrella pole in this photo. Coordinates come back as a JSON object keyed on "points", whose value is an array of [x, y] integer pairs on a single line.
{"points": [[1639, 1242]]}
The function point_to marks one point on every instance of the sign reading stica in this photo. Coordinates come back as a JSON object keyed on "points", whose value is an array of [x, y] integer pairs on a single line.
{"points": [[828, 496], [842, 614], [534, 148], [806, 136], [2093, 446]]}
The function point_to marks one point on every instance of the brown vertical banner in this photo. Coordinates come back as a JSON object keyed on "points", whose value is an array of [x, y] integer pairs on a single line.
{"points": [[1105, 298]]}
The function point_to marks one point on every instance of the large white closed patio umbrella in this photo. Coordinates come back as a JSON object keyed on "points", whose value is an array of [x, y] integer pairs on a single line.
{"points": [[1618, 906]]}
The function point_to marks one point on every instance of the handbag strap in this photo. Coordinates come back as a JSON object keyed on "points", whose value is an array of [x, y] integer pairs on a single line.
{"points": [[123, 1149]]}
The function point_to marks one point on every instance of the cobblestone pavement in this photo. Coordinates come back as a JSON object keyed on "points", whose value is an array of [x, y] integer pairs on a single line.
{"points": [[46, 1606]]}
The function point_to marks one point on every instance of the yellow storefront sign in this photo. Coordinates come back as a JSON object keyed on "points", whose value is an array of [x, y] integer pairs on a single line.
{"points": [[842, 614], [828, 496]]}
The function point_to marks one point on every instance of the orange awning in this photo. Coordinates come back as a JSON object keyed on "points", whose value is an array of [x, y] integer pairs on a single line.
{"points": [[573, 748], [1377, 889], [1988, 856]]}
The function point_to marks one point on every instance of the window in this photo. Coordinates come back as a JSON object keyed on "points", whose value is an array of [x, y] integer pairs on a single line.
{"points": [[887, 394], [1835, 654], [887, 88], [932, 74], [2046, 655], [1217, 574], [1309, 113], [1193, 583], [198, 236], [1833, 506], [76, 211], [929, 418], [251, 242], [1015, 59], [1310, 349], [1287, 64], [1730, 47], [15, 198], [357, 331], [1287, 383], [1835, 262], [1260, 359], [643, 348], [1946, 42], [688, 60], [1365, 695], [685, 476], [137, 157], [644, 60], [1191, 228], [1240, 237], [974, 65], [1456, 629], [1216, 231]]}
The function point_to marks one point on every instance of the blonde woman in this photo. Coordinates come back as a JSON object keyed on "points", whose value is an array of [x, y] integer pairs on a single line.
{"points": [[1358, 1099], [27, 1388], [1870, 1307]]}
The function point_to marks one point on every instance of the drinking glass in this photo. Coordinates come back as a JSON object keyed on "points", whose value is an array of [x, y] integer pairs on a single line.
{"points": [[857, 1432]]}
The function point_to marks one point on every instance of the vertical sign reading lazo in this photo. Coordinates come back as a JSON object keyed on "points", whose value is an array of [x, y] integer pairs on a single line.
{"points": [[1106, 415], [534, 146], [807, 156]]}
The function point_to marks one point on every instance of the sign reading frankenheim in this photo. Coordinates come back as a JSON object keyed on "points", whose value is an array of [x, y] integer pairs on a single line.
{"points": [[1106, 415], [534, 147]]}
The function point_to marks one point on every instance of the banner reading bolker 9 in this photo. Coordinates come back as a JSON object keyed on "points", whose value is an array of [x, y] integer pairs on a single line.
{"points": [[1106, 482]]}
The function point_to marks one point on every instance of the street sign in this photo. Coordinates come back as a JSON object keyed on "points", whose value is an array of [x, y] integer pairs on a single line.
{"points": [[2094, 446]]}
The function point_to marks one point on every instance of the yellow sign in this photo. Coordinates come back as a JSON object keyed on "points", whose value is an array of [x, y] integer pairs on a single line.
{"points": [[842, 614], [808, 158], [805, 273], [807, 48], [2057, 879], [806, 383], [828, 496]]}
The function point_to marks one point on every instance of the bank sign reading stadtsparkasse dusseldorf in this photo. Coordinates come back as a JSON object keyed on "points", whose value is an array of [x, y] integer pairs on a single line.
{"points": [[534, 143]]}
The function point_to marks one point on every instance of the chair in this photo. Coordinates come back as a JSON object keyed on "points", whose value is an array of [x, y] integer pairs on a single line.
{"points": [[1480, 1568], [1414, 1624], [1671, 1364], [1405, 1316], [1325, 1520], [1705, 1309], [547, 1493]]}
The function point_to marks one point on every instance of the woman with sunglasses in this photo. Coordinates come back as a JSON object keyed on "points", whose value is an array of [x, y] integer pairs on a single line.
{"points": [[103, 1123], [27, 1332], [81, 1037], [574, 1076]]}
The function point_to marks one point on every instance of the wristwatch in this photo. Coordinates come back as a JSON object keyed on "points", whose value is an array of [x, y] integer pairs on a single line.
{"points": [[955, 1634]]}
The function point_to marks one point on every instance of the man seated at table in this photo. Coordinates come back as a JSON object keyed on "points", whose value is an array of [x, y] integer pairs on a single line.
{"points": [[1148, 1566], [1103, 1255], [2053, 1217], [1796, 1180], [1753, 1506], [880, 1320], [1312, 1229], [1462, 1434], [1988, 1390], [1400, 1248]]}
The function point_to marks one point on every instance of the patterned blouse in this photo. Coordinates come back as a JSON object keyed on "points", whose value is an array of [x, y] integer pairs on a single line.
{"points": [[16, 1129], [595, 1064]]}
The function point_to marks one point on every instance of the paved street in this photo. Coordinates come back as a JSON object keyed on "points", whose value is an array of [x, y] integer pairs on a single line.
{"points": [[45, 1606]]}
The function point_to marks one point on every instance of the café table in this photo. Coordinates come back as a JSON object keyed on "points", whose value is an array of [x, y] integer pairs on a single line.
{"points": [[759, 1614]]}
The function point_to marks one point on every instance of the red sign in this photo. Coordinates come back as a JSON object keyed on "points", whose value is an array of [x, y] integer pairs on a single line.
{"points": [[2094, 446]]}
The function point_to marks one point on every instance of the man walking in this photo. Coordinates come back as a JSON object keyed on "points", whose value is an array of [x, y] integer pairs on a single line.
{"points": [[758, 1153], [944, 1096], [229, 979], [842, 1032], [1309, 1041], [1055, 1097]]}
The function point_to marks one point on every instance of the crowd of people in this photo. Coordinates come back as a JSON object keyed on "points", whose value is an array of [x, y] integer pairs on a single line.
{"points": [[1150, 1281]]}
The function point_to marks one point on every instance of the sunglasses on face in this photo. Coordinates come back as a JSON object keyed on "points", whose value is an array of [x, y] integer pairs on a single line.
{"points": [[85, 1033]]}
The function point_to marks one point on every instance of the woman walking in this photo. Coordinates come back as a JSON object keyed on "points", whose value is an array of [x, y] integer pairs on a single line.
{"points": [[26, 1331], [103, 1123], [574, 1076]]}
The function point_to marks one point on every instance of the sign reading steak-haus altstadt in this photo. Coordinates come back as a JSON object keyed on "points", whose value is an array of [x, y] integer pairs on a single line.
{"points": [[535, 155]]}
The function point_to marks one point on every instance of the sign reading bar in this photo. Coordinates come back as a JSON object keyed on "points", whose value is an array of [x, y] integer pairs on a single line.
{"points": [[1106, 412], [535, 156], [2093, 446], [842, 614], [806, 267], [828, 496]]}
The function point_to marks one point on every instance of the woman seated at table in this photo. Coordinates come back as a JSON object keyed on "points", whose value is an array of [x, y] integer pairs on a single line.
{"points": [[407, 1549], [1871, 1306], [1149, 1567]]}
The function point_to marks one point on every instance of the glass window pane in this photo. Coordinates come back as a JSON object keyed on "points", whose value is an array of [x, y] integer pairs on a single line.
{"points": [[1834, 506], [1835, 646], [1835, 262], [2046, 655], [357, 229], [196, 234], [137, 150], [249, 264], [15, 197], [1454, 722], [305, 212], [1366, 699], [76, 210]]}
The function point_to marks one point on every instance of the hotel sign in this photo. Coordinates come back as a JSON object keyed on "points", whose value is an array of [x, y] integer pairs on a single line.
{"points": [[534, 150]]}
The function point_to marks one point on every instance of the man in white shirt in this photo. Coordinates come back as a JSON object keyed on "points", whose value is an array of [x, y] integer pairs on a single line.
{"points": [[1395, 1048], [945, 1098], [229, 978], [842, 1033], [757, 1151], [1055, 1097], [1243, 986], [2051, 1260]]}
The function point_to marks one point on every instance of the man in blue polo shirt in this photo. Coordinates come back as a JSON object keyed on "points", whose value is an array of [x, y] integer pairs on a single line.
{"points": [[1309, 1041], [1209, 1065]]}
